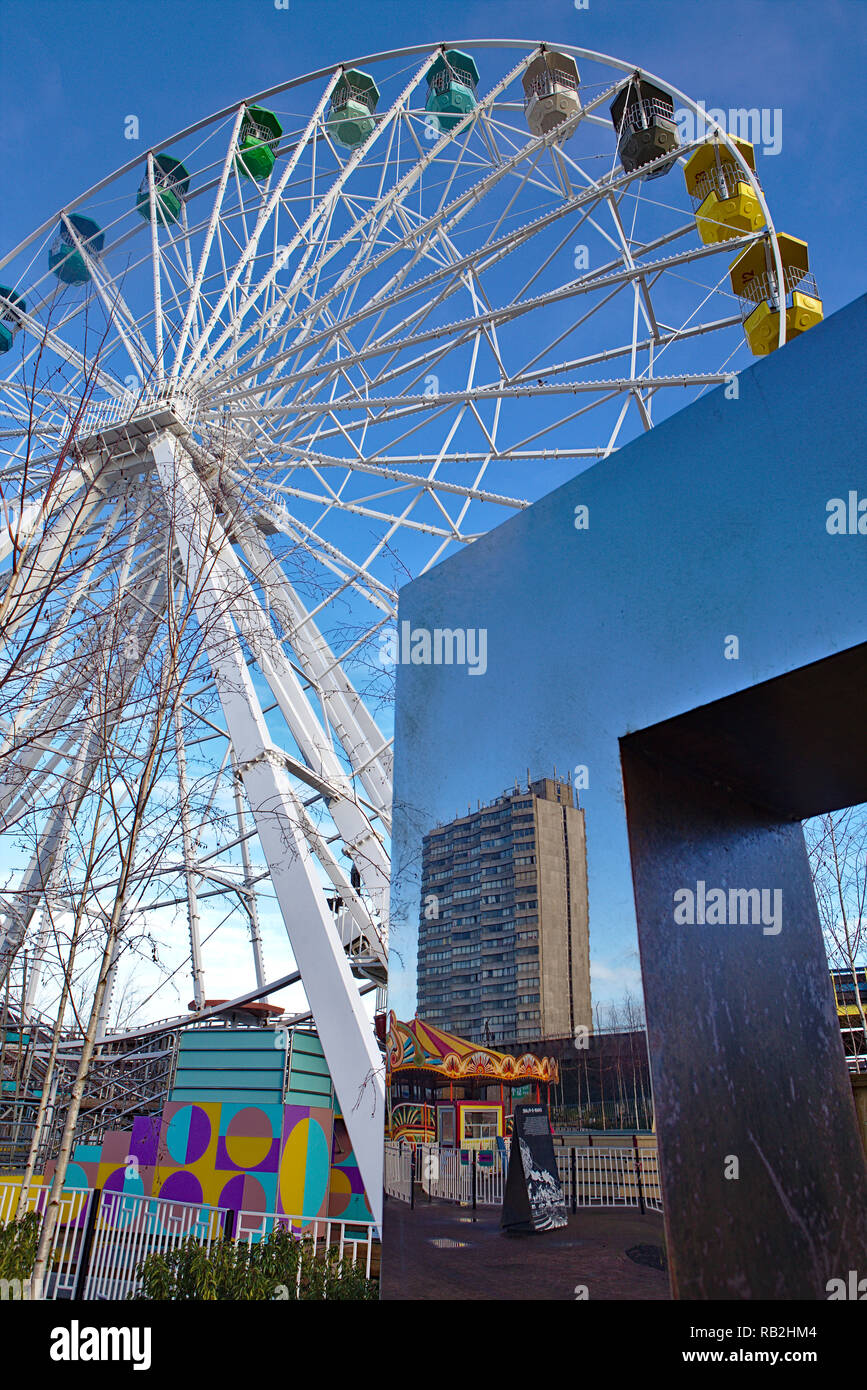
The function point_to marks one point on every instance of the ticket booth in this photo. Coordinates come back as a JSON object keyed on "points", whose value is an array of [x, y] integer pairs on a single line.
{"points": [[470, 1124]]}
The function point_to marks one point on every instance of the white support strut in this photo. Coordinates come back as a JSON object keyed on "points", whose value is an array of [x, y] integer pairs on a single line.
{"points": [[347, 1036]]}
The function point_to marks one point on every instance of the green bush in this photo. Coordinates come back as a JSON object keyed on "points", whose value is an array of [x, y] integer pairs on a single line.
{"points": [[279, 1267], [18, 1242]]}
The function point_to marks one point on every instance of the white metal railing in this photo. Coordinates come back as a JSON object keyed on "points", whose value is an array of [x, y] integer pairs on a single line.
{"points": [[442, 80], [127, 1227], [639, 114], [67, 1240], [723, 180], [598, 1177], [350, 1240], [451, 1175], [164, 181], [346, 92], [649, 1160], [130, 1227], [490, 1180], [252, 130], [591, 1177], [546, 84], [133, 405], [398, 1170], [762, 289]]}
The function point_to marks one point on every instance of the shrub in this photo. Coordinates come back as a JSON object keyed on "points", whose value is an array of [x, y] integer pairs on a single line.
{"points": [[18, 1242], [278, 1267]]}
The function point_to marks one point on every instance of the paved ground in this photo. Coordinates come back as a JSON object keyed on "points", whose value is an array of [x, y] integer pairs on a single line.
{"points": [[437, 1251]]}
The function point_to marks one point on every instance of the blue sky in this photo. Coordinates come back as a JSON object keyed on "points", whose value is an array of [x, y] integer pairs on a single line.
{"points": [[70, 74]]}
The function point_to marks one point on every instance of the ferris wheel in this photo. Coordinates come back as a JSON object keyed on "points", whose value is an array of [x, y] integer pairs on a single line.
{"points": [[271, 368]]}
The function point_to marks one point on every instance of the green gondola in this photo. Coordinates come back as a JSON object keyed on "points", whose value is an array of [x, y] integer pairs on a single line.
{"points": [[10, 320], [452, 80], [355, 98], [64, 258], [171, 185], [257, 143]]}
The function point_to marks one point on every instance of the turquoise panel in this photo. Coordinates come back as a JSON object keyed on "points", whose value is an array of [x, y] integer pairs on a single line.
{"points": [[219, 1096], [87, 1153], [219, 1078], [248, 1039], [314, 1098], [309, 1065], [318, 1170], [232, 1057]]}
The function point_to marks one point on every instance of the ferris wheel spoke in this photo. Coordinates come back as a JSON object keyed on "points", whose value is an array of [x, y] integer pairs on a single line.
{"points": [[598, 281], [193, 303], [617, 428], [332, 501], [378, 469], [488, 255], [388, 409], [46, 337], [116, 309], [404, 185], [311, 219], [329, 556]]}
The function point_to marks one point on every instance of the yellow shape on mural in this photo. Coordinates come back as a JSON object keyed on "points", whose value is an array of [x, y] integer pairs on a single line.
{"points": [[293, 1165], [248, 1152]]}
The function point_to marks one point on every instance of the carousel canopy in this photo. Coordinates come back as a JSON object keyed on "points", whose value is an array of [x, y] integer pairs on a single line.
{"points": [[418, 1048]]}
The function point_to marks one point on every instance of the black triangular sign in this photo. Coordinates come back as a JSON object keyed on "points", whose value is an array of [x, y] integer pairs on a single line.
{"points": [[533, 1198]]}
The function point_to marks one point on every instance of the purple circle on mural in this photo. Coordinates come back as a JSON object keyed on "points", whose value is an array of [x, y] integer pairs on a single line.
{"points": [[243, 1193], [181, 1187]]}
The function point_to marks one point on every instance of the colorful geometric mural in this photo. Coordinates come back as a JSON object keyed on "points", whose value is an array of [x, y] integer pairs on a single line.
{"points": [[347, 1199], [292, 1159]]}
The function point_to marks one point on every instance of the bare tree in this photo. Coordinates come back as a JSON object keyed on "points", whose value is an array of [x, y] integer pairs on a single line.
{"points": [[131, 719], [837, 848]]}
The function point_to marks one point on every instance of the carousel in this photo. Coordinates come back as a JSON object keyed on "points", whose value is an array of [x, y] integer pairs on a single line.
{"points": [[446, 1090]]}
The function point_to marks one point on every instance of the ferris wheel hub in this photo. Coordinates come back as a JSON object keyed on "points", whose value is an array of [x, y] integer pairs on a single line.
{"points": [[130, 423]]}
